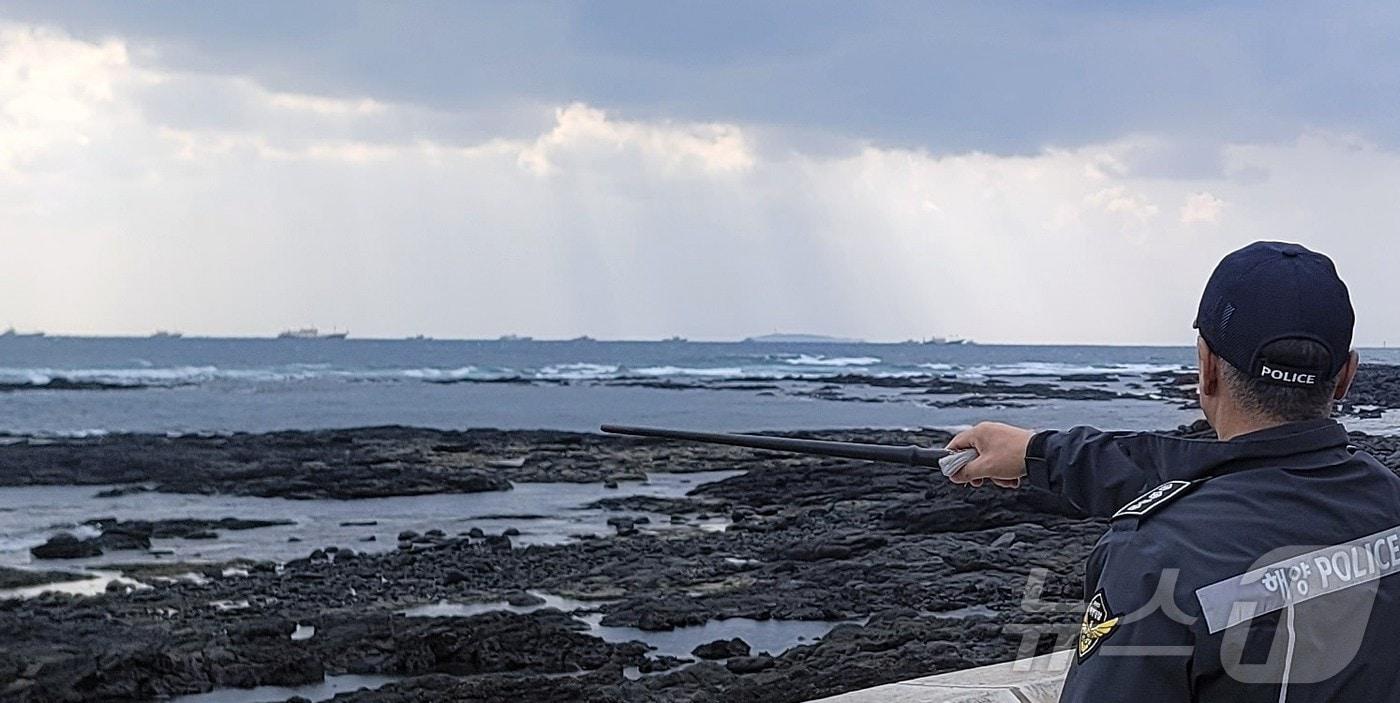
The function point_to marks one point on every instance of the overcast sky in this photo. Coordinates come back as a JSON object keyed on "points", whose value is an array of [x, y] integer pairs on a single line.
{"points": [[1008, 171]]}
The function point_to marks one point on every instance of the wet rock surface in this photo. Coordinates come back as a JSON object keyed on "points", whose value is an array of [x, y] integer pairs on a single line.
{"points": [[117, 535], [180, 527], [65, 545], [928, 577], [345, 464], [1376, 386], [23, 578]]}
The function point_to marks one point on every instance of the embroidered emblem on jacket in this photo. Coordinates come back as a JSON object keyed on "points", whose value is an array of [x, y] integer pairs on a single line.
{"points": [[1097, 624]]}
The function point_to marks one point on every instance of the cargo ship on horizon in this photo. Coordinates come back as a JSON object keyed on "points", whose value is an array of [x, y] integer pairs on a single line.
{"points": [[311, 333]]}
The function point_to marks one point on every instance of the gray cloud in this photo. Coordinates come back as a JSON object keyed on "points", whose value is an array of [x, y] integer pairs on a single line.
{"points": [[1005, 77]]}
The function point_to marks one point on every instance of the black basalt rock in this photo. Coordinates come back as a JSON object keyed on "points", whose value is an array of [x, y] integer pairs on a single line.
{"points": [[750, 665], [65, 546], [722, 649]]}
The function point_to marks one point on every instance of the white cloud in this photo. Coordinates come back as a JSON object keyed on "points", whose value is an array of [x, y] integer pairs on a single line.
{"points": [[136, 199], [53, 91], [325, 106], [1119, 200], [1201, 207], [587, 136]]}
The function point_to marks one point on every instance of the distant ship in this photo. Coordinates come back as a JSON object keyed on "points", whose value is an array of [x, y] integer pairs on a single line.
{"points": [[939, 341], [514, 338], [311, 333], [675, 340], [419, 338], [165, 334], [584, 338], [10, 332]]}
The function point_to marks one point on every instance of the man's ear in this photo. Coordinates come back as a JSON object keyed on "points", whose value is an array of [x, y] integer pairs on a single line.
{"points": [[1347, 375], [1209, 380]]}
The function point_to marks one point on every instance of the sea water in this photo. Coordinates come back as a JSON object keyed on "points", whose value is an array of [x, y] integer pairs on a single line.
{"points": [[223, 385]]}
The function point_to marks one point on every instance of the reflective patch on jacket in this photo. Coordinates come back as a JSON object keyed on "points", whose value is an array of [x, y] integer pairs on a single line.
{"points": [[1298, 579]]}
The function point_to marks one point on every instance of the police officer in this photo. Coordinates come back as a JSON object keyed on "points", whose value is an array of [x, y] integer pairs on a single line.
{"points": [[1255, 567]]}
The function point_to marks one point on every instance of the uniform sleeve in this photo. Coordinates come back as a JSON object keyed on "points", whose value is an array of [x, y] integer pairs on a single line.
{"points": [[1098, 472], [1134, 644]]}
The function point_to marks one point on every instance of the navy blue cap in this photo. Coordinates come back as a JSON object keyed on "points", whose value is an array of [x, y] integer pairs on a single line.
{"points": [[1269, 291]]}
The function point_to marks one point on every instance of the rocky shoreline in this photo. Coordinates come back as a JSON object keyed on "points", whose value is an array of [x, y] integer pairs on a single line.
{"points": [[24, 578], [348, 464], [926, 576]]}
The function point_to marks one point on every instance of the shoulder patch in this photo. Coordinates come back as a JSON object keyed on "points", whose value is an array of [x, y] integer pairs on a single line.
{"points": [[1097, 624], [1153, 499]]}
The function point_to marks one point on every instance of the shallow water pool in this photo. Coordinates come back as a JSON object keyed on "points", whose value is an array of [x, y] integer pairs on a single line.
{"points": [[763, 636], [544, 513]]}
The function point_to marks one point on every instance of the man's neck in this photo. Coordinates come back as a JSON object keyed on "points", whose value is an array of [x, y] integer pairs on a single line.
{"points": [[1228, 428]]}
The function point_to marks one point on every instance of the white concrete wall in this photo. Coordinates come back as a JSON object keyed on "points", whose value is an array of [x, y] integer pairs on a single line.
{"points": [[1035, 680]]}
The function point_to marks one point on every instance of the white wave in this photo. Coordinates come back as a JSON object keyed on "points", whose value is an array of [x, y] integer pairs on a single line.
{"points": [[1150, 368], [892, 374], [56, 434], [798, 366], [577, 371], [115, 377], [433, 374], [184, 375], [669, 371], [818, 360], [1039, 368], [9, 544], [33, 377], [427, 373], [85, 531]]}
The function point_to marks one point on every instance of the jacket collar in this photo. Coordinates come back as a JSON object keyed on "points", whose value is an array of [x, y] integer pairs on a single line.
{"points": [[1295, 445]]}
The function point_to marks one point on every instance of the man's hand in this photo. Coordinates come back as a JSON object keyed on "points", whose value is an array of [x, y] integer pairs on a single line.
{"points": [[1001, 454]]}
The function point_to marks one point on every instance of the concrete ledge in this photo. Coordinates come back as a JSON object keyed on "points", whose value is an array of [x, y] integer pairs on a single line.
{"points": [[1035, 680]]}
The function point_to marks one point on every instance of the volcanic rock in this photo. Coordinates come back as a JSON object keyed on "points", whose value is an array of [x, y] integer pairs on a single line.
{"points": [[65, 546], [722, 649], [750, 665]]}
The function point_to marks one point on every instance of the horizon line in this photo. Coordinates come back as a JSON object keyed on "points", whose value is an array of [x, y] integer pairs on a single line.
{"points": [[817, 340]]}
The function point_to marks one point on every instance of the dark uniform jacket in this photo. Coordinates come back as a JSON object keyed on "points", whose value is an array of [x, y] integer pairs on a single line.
{"points": [[1231, 567]]}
